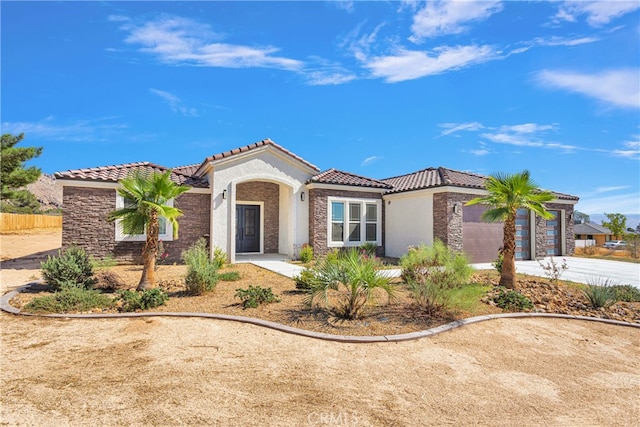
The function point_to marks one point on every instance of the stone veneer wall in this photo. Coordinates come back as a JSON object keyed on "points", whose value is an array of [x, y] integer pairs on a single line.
{"points": [[318, 216], [269, 193], [84, 223], [447, 225], [567, 226]]}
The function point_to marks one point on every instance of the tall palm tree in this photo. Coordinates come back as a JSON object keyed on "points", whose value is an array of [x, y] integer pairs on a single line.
{"points": [[146, 197], [507, 194]]}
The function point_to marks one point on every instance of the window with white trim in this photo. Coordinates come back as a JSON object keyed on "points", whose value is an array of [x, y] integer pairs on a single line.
{"points": [[165, 227], [353, 222]]}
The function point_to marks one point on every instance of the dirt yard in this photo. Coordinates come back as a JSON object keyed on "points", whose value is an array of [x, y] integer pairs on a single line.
{"points": [[170, 371]]}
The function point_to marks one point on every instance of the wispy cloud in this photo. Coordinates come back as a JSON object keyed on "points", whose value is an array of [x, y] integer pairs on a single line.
{"points": [[369, 160], [322, 72], [598, 13], [620, 88], [179, 41], [452, 128], [563, 41], [77, 131], [410, 64], [449, 17], [610, 189], [344, 5], [174, 103], [631, 149]]}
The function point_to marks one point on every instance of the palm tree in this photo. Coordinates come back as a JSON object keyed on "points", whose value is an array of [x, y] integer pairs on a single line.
{"points": [[507, 194], [146, 197]]}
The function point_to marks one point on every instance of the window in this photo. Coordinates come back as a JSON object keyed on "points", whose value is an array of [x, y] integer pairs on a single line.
{"points": [[165, 228], [353, 222]]}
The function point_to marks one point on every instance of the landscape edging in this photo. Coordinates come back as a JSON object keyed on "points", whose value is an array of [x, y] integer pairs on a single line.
{"points": [[5, 306]]}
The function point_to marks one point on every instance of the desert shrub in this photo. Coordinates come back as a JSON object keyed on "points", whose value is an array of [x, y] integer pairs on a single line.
{"points": [[142, 300], [435, 264], [333, 255], [256, 295], [626, 293], [306, 254], [305, 279], [508, 299], [108, 281], [429, 297], [70, 298], [600, 292], [70, 266], [497, 263], [229, 276], [219, 256], [202, 271], [369, 249], [346, 283], [552, 269]]}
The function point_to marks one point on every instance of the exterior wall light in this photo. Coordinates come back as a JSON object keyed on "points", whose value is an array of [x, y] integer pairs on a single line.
{"points": [[457, 207], [302, 196], [224, 194]]}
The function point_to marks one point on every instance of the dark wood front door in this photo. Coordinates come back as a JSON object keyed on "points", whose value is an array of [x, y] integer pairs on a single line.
{"points": [[247, 228]]}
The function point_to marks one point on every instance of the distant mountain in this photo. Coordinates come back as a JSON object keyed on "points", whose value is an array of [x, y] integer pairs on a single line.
{"points": [[632, 219], [47, 192]]}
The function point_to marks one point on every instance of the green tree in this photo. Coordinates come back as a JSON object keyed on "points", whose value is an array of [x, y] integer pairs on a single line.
{"points": [[14, 175], [617, 224], [507, 194], [146, 199], [581, 218]]}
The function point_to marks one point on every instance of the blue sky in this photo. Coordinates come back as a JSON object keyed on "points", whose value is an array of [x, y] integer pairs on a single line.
{"points": [[374, 88]]}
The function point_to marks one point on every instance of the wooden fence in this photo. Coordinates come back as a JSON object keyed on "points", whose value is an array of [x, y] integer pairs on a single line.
{"points": [[20, 222]]}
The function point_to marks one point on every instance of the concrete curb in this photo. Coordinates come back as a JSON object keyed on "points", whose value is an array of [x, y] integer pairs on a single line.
{"points": [[5, 306]]}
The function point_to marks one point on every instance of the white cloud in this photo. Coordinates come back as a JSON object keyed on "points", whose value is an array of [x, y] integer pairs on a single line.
{"points": [[563, 41], [610, 189], [324, 72], [449, 17], [617, 87], [79, 130], [480, 152], [369, 160], [177, 40], [345, 5], [631, 150], [598, 13], [174, 103], [409, 64], [451, 128], [527, 128]]}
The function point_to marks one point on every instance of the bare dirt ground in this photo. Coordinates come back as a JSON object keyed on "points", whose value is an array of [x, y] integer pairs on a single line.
{"points": [[168, 371]]}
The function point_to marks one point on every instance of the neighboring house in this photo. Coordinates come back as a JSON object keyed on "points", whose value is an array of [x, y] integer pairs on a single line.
{"points": [[262, 198], [592, 234]]}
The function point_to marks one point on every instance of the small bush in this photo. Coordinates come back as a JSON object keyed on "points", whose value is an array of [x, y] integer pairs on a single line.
{"points": [[432, 298], [369, 249], [219, 257], [202, 271], [512, 300], [108, 281], [497, 263], [553, 270], [306, 254], [626, 293], [135, 300], [70, 298], [435, 264], [70, 266], [600, 292], [229, 276], [305, 280], [256, 295]]}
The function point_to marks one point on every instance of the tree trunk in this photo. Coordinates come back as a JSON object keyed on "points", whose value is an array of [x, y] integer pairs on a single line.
{"points": [[508, 276], [149, 253]]}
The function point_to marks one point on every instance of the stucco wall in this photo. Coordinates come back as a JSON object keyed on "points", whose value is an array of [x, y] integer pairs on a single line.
{"points": [[84, 223], [269, 193], [318, 216], [408, 222]]}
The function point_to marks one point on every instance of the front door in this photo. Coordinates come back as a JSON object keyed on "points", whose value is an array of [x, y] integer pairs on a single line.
{"points": [[553, 235], [247, 228]]}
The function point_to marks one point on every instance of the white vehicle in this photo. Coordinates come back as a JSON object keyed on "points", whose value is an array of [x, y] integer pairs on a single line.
{"points": [[615, 244]]}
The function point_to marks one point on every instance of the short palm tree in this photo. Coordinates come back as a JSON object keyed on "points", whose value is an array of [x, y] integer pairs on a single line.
{"points": [[146, 197], [507, 194]]}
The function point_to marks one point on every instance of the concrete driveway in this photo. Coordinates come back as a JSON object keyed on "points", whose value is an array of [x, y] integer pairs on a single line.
{"points": [[582, 270]]}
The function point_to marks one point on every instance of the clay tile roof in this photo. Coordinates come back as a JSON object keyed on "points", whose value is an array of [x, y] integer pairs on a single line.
{"points": [[263, 143], [333, 176], [189, 170], [117, 172]]}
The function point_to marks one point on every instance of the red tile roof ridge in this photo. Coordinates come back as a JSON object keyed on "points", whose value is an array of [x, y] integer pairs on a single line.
{"points": [[357, 180]]}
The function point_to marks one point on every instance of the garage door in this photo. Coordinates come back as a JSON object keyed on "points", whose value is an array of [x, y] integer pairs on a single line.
{"points": [[480, 240], [523, 235], [553, 246]]}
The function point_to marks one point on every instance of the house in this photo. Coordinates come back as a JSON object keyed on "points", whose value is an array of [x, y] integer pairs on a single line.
{"points": [[262, 198], [592, 234]]}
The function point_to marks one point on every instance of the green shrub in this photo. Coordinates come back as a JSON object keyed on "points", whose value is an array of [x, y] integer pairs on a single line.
{"points": [[305, 280], [256, 295], [512, 300], [70, 266], [202, 271], [369, 249], [497, 263], [144, 300], [306, 254], [229, 276], [346, 283], [600, 292], [429, 296], [70, 298], [219, 257], [626, 293], [435, 264], [333, 255]]}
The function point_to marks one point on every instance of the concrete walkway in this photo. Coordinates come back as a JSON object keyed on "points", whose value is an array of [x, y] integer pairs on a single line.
{"points": [[581, 270]]}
